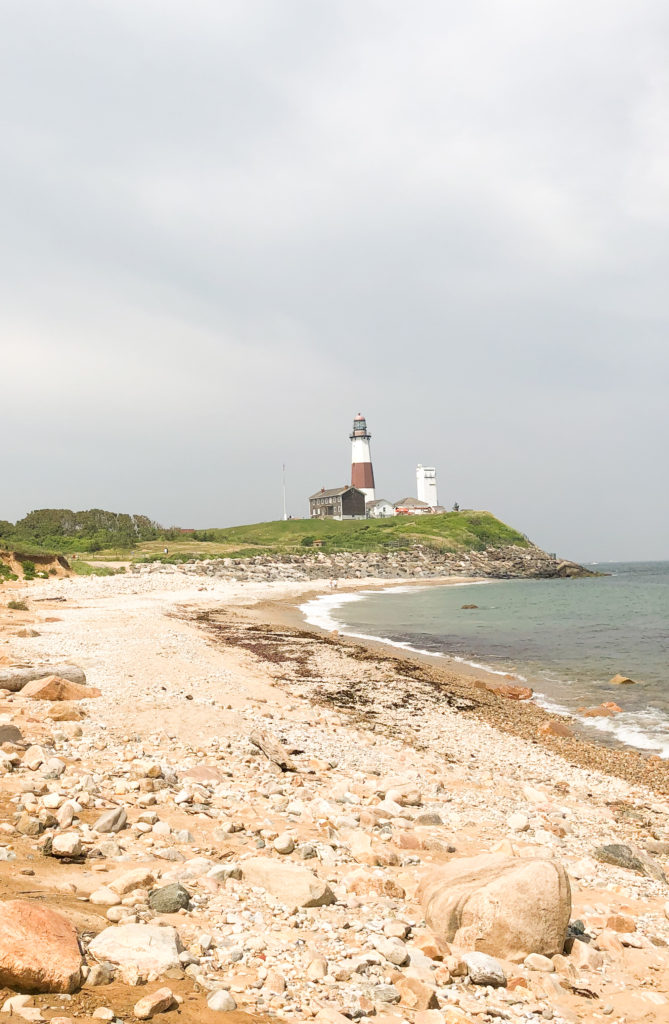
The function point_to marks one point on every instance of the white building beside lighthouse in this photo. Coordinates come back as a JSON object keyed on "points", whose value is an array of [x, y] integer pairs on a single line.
{"points": [[362, 473], [426, 485]]}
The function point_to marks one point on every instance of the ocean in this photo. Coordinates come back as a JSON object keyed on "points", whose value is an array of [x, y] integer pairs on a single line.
{"points": [[566, 638]]}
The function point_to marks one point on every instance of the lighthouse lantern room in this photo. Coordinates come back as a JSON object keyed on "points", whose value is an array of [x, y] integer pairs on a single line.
{"points": [[362, 473]]}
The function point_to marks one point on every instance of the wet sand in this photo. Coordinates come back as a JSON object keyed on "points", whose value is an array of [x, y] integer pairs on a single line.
{"points": [[522, 718]]}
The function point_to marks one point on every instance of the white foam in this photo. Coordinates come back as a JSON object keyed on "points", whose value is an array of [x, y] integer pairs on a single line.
{"points": [[645, 730], [318, 612], [482, 667]]}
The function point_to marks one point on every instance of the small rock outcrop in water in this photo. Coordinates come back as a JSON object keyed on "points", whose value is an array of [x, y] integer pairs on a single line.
{"points": [[619, 680], [499, 905]]}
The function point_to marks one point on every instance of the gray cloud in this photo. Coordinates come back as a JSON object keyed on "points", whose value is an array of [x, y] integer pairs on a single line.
{"points": [[228, 227]]}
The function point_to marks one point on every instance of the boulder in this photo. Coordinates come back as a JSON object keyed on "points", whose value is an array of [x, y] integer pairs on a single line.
{"points": [[104, 897], [157, 1002], [66, 712], [136, 878], [57, 688], [169, 898], [206, 774], [393, 949], [146, 947], [628, 857], [289, 883], [507, 690], [619, 680], [485, 970], [377, 883], [10, 733], [416, 995], [67, 844], [39, 951], [554, 728], [284, 844], [504, 906], [221, 1001], [14, 679], [601, 711], [111, 821], [34, 757]]}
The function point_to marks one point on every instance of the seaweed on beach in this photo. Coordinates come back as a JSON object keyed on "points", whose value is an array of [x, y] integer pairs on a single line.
{"points": [[393, 693]]}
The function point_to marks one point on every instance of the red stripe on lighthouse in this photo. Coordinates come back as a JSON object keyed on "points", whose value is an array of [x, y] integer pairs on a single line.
{"points": [[362, 475]]}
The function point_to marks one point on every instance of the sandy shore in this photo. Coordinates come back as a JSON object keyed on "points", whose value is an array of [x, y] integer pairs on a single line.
{"points": [[188, 671], [457, 680]]}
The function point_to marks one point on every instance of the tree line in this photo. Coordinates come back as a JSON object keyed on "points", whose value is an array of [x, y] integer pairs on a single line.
{"points": [[62, 529]]}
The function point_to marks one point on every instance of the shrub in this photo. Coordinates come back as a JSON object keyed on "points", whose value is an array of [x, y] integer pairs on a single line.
{"points": [[80, 568], [6, 573], [18, 606], [307, 542]]}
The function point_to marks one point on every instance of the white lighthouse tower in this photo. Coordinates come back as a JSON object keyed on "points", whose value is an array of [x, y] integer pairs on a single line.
{"points": [[362, 474], [426, 485]]}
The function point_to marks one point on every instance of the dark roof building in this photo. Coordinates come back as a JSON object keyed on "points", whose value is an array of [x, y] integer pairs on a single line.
{"points": [[337, 503]]}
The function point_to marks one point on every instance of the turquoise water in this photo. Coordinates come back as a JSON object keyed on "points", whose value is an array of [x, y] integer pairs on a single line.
{"points": [[567, 638]]}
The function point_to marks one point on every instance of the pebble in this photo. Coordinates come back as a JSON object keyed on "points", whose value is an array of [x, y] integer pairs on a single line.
{"points": [[284, 844]]}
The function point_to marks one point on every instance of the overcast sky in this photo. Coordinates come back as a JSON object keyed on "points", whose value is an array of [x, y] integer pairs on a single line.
{"points": [[227, 227]]}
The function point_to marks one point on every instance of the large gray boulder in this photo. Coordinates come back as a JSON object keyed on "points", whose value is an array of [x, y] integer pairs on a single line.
{"points": [[631, 858], [15, 679], [505, 906], [289, 883]]}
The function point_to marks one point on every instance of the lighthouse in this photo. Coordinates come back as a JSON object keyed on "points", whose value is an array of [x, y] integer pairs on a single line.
{"points": [[426, 483], [362, 474]]}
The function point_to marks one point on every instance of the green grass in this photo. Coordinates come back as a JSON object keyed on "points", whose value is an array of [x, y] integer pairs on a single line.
{"points": [[86, 569], [450, 532]]}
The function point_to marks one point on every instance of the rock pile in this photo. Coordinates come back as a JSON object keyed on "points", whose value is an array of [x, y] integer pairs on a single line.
{"points": [[417, 561]]}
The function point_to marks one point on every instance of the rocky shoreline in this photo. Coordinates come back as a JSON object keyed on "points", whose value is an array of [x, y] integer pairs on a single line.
{"points": [[414, 562], [251, 820]]}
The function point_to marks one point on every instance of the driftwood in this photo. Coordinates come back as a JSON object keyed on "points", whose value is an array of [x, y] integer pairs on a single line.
{"points": [[15, 678], [272, 749]]}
